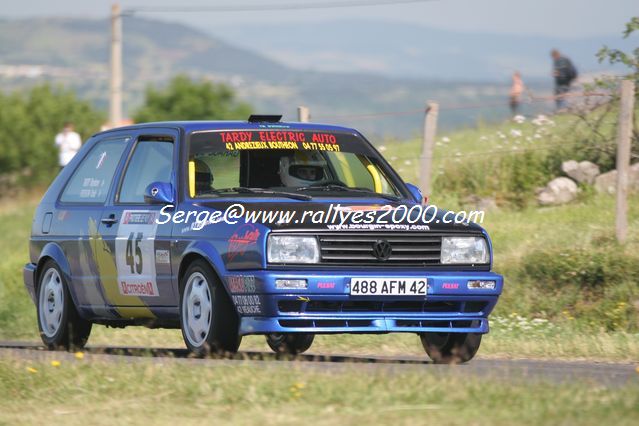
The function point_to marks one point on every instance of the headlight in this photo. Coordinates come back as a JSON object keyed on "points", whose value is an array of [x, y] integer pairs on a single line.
{"points": [[465, 250], [292, 249]]}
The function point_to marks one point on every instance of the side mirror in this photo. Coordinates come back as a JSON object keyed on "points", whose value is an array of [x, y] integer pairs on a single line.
{"points": [[415, 192], [159, 193]]}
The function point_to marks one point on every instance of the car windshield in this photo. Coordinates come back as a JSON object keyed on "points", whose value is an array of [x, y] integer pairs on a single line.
{"points": [[308, 163]]}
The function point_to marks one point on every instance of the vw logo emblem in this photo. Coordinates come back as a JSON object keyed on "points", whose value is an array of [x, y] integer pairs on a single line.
{"points": [[382, 249], [154, 191]]}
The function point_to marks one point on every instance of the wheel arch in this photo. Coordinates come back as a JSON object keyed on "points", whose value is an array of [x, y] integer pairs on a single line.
{"points": [[52, 251], [200, 250]]}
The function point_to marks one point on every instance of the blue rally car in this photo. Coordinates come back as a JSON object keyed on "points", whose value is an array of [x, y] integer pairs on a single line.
{"points": [[226, 229]]}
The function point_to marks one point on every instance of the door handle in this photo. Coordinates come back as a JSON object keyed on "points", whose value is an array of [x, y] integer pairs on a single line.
{"points": [[110, 220]]}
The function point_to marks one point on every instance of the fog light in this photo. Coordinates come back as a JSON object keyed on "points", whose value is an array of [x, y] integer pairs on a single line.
{"points": [[482, 284], [291, 284]]}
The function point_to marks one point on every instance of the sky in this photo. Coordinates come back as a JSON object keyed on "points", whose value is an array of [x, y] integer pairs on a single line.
{"points": [[556, 18]]}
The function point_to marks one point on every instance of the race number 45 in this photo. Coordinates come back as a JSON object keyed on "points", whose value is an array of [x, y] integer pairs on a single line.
{"points": [[135, 253]]}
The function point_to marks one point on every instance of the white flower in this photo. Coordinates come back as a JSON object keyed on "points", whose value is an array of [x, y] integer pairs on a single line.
{"points": [[382, 148], [445, 139], [407, 162], [483, 138], [393, 158], [516, 133], [519, 118]]}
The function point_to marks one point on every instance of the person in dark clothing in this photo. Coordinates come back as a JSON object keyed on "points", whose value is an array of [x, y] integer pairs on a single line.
{"points": [[564, 73]]}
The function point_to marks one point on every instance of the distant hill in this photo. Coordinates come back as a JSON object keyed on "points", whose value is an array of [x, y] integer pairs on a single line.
{"points": [[75, 52], [412, 50]]}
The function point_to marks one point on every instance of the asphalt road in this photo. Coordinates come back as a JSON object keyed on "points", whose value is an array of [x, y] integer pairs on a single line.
{"points": [[605, 374]]}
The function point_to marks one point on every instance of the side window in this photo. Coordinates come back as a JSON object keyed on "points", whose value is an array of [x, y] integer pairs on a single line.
{"points": [[152, 161], [92, 179]]}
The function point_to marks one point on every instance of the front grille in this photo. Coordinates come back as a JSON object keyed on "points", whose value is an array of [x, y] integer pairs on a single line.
{"points": [[325, 323], [336, 306], [408, 249], [437, 323]]}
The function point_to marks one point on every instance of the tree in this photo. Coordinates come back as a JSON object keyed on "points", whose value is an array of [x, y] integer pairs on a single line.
{"points": [[29, 121], [616, 56], [185, 99]]}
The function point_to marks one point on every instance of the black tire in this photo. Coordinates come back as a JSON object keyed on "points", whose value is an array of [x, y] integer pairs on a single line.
{"points": [[450, 348], [290, 343], [68, 331], [222, 333]]}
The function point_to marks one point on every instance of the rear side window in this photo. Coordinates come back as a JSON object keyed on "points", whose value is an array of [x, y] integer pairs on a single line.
{"points": [[92, 179], [152, 161]]}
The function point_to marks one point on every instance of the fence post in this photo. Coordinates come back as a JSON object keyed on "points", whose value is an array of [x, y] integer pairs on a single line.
{"points": [[428, 142], [624, 133], [303, 114]]}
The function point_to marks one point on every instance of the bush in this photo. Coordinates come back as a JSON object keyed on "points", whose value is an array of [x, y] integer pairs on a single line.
{"points": [[595, 286], [587, 268]]}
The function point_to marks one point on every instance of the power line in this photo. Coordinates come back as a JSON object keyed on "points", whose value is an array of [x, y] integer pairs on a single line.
{"points": [[268, 7]]}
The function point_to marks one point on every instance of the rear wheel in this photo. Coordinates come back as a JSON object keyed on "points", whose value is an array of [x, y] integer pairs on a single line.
{"points": [[208, 320], [290, 343], [60, 325], [450, 348]]}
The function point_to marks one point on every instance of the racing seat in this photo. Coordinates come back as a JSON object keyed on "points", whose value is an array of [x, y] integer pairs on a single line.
{"points": [[203, 176]]}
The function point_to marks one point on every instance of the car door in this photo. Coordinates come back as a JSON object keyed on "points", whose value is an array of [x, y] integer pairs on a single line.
{"points": [[74, 224], [140, 247]]}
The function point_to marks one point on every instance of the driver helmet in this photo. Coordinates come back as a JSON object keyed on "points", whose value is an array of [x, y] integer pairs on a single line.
{"points": [[302, 168]]}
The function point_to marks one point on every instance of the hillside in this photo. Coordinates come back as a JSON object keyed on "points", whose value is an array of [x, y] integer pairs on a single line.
{"points": [[75, 52], [413, 50]]}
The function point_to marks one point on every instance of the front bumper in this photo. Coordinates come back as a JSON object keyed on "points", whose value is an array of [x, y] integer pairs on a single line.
{"points": [[326, 306]]}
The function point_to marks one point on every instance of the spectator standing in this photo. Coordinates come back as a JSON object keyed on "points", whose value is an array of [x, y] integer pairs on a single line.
{"points": [[516, 90], [68, 142], [564, 73]]}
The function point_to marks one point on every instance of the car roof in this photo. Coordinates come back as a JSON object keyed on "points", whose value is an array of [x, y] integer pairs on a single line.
{"points": [[194, 126]]}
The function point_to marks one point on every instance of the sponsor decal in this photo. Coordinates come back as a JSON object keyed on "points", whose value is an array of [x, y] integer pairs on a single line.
{"points": [[130, 217], [279, 139], [162, 257], [450, 286], [324, 284], [241, 284], [148, 289], [303, 299], [244, 238], [249, 304]]}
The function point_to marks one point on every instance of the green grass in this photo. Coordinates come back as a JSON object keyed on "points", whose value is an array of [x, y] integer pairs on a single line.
{"points": [[165, 393]]}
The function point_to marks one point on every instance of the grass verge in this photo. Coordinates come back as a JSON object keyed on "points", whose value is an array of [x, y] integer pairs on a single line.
{"points": [[73, 391]]}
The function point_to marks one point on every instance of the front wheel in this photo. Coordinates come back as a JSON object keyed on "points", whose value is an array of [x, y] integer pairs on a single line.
{"points": [[60, 325], [208, 320], [450, 348], [290, 343]]}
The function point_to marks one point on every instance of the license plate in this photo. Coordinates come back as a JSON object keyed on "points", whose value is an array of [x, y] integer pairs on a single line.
{"points": [[388, 286]]}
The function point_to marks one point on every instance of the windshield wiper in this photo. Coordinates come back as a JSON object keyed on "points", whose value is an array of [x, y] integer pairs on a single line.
{"points": [[247, 190], [336, 187]]}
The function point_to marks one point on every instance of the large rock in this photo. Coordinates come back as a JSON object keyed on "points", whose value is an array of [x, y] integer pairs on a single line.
{"points": [[560, 190], [607, 182], [582, 172]]}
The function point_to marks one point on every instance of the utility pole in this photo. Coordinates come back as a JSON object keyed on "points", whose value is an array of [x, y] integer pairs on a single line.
{"points": [[115, 83], [428, 142], [624, 133], [303, 114]]}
